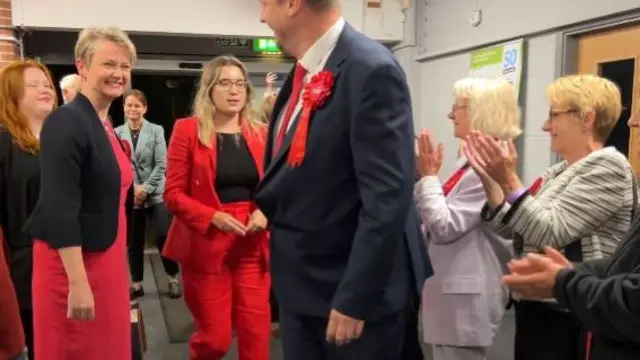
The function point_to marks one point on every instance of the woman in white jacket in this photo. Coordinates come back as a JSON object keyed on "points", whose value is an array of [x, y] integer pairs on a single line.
{"points": [[464, 301]]}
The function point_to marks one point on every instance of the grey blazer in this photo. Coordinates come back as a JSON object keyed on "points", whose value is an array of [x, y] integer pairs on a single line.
{"points": [[463, 302], [149, 159]]}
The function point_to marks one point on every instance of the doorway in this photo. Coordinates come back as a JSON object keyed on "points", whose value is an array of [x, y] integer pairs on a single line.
{"points": [[169, 96], [612, 55]]}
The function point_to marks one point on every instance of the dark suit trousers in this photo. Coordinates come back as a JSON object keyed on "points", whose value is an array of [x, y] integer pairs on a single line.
{"points": [[412, 350], [544, 333], [160, 220], [303, 337]]}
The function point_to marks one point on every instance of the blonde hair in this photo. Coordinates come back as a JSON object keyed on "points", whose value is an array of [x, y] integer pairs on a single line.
{"points": [[89, 38], [203, 107], [492, 106], [587, 94]]}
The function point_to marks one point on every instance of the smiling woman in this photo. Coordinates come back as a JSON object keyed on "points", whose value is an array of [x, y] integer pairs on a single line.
{"points": [[26, 99], [80, 282]]}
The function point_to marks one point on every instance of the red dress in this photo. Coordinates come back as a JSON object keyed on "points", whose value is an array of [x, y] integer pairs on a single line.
{"points": [[108, 336]]}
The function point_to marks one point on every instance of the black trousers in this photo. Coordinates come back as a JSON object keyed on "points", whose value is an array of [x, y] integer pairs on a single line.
{"points": [[546, 333], [26, 315], [411, 349], [160, 220], [303, 337]]}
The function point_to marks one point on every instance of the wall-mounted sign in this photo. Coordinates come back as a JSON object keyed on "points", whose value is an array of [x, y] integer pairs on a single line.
{"points": [[503, 61], [266, 46], [232, 42]]}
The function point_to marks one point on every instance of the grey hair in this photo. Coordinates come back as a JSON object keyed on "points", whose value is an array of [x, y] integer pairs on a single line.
{"points": [[67, 81]]}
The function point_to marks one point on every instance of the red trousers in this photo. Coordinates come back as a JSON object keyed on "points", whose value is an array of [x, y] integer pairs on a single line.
{"points": [[237, 298]]}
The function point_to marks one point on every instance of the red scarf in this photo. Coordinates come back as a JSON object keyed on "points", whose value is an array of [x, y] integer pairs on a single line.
{"points": [[535, 187], [454, 179]]}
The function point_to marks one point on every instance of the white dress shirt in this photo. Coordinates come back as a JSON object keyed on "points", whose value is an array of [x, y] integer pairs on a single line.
{"points": [[314, 61]]}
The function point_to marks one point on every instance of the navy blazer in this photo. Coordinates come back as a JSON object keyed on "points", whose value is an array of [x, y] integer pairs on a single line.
{"points": [[80, 187], [345, 234]]}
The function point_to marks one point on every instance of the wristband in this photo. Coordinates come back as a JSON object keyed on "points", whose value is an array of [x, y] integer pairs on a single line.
{"points": [[515, 195]]}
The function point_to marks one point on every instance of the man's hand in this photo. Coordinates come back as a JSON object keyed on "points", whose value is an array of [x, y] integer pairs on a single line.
{"points": [[342, 329], [534, 276]]}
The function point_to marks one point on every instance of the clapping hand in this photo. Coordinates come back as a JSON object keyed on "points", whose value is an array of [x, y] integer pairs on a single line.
{"points": [[271, 78], [495, 158], [534, 276], [471, 150], [429, 156]]}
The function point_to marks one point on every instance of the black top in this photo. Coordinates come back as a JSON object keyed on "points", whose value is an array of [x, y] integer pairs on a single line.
{"points": [[19, 189], [135, 134], [80, 193], [237, 174]]}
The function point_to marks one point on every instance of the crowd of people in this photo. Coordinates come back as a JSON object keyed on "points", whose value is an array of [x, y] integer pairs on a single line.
{"points": [[322, 211]]}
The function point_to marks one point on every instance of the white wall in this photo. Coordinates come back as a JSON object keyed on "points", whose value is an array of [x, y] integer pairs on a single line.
{"points": [[446, 40], [203, 17], [447, 29]]}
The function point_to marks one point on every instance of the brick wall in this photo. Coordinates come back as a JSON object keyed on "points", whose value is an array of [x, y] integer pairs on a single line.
{"points": [[8, 49]]}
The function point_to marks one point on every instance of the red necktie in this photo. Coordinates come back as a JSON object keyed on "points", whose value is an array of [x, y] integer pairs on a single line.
{"points": [[298, 80]]}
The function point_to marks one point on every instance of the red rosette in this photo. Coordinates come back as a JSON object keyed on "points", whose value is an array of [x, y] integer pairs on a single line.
{"points": [[314, 95]]}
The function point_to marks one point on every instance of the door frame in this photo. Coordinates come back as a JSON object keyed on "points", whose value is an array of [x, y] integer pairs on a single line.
{"points": [[566, 59]]}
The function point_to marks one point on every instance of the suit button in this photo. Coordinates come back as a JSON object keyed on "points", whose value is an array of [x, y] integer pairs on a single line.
{"points": [[197, 182]]}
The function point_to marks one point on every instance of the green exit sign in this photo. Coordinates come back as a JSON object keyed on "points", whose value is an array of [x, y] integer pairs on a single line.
{"points": [[266, 46]]}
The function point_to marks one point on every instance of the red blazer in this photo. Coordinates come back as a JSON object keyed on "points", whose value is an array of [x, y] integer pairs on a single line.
{"points": [[190, 196], [11, 334]]}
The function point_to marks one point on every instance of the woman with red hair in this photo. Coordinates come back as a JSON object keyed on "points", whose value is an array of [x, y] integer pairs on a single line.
{"points": [[27, 97]]}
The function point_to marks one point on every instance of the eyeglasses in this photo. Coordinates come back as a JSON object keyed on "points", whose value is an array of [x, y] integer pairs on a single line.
{"points": [[455, 107], [227, 84], [555, 113]]}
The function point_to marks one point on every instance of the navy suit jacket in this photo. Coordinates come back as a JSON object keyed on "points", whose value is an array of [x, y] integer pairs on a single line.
{"points": [[345, 233]]}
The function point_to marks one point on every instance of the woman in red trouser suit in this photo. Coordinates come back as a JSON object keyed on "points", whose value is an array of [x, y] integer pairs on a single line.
{"points": [[218, 235]]}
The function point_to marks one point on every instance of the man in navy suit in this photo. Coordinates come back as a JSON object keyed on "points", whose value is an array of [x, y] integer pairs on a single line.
{"points": [[347, 256]]}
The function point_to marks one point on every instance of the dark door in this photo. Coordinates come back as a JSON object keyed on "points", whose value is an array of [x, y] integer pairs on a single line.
{"points": [[169, 96]]}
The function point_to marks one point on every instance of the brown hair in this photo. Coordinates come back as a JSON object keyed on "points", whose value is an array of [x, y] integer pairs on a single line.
{"points": [[11, 92], [138, 95]]}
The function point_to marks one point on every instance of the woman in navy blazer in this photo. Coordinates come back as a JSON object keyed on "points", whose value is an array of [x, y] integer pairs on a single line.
{"points": [[464, 300], [80, 292]]}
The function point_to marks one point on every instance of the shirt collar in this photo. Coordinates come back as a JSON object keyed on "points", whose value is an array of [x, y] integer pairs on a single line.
{"points": [[314, 59]]}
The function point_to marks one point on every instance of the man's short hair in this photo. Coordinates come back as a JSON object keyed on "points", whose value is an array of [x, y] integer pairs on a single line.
{"points": [[320, 5]]}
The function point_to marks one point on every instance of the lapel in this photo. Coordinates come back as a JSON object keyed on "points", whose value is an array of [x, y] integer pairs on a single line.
{"points": [[334, 64], [125, 134], [255, 143], [82, 103], [281, 101], [143, 137]]}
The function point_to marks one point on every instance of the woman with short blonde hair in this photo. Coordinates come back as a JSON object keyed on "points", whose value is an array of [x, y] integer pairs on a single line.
{"points": [[582, 206], [467, 260], [218, 235], [80, 275]]}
